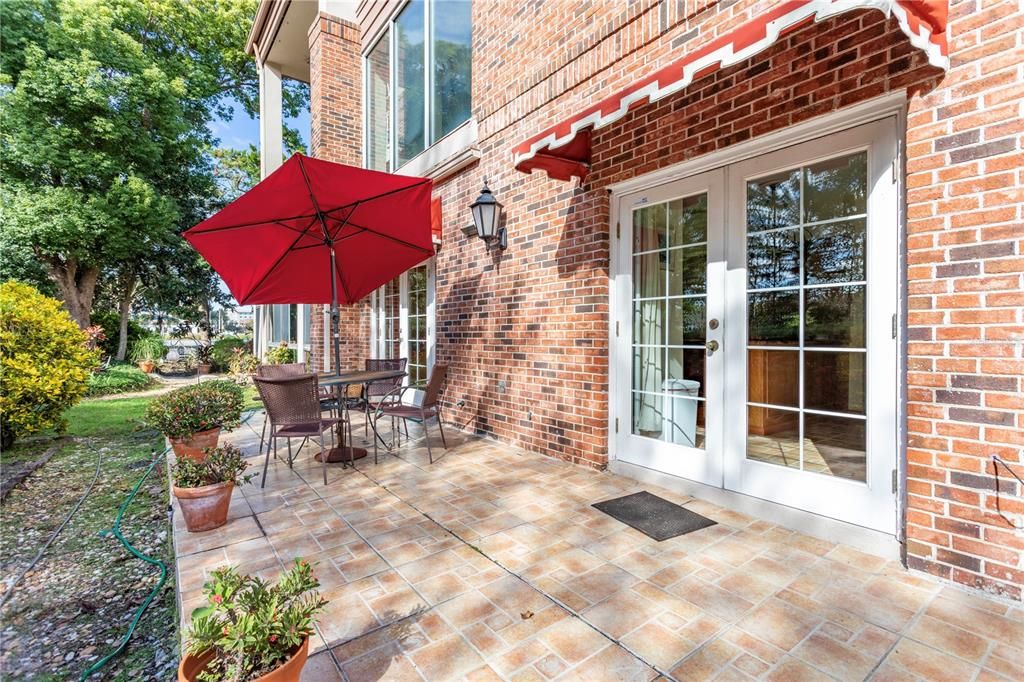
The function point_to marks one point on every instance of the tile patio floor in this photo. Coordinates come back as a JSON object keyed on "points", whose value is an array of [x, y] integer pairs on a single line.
{"points": [[491, 564]]}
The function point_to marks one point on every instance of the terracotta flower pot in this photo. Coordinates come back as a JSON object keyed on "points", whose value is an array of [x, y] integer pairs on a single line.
{"points": [[205, 507], [147, 366], [204, 368], [192, 446], [290, 671]]}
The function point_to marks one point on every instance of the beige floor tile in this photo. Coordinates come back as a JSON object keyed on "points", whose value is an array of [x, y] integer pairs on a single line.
{"points": [[613, 663], [658, 645], [621, 613], [948, 638], [928, 663], [791, 669], [834, 658], [448, 659], [779, 624]]}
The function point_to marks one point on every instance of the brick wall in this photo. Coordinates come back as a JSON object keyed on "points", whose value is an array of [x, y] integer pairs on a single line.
{"points": [[335, 94], [966, 297], [525, 330]]}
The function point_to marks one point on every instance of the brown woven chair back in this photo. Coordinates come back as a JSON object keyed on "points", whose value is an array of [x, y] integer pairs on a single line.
{"points": [[433, 389], [290, 369], [379, 388], [290, 400]]}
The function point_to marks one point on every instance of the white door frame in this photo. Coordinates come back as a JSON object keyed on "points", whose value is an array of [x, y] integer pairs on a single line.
{"points": [[892, 105], [377, 321], [703, 465]]}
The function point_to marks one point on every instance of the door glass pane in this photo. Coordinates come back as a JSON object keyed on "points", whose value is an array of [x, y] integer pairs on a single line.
{"points": [[836, 188], [669, 306], [773, 259], [834, 316], [834, 382], [773, 436], [378, 68], [688, 220], [814, 263], [834, 252], [835, 446], [409, 91], [773, 201], [417, 283], [452, 53], [774, 318]]}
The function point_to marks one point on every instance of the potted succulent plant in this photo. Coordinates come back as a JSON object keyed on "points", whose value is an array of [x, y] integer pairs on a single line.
{"points": [[147, 352], [204, 488], [192, 417], [252, 630]]}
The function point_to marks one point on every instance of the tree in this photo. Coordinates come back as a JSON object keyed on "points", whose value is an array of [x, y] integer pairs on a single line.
{"points": [[105, 120]]}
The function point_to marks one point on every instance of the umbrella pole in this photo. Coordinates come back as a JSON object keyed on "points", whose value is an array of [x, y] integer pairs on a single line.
{"points": [[335, 322]]}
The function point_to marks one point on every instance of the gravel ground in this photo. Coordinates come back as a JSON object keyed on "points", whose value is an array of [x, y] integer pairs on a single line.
{"points": [[76, 604]]}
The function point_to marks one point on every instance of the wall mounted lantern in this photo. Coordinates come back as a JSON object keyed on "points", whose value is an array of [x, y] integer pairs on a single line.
{"points": [[487, 217]]}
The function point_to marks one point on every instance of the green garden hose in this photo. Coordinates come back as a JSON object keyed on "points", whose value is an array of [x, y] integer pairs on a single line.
{"points": [[116, 530]]}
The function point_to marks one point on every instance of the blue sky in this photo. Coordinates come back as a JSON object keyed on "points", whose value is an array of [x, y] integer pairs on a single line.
{"points": [[241, 130]]}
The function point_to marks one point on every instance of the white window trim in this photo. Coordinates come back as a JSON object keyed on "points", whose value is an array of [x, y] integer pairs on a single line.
{"points": [[443, 157], [376, 338]]}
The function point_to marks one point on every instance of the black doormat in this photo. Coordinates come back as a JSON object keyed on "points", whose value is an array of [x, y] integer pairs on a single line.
{"points": [[653, 516]]}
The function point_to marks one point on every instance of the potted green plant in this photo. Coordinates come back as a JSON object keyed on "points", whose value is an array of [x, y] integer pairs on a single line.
{"points": [[204, 358], [252, 629], [204, 488], [147, 352], [280, 354], [192, 417]]}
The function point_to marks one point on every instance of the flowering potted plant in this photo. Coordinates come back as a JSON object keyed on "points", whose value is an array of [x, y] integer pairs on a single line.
{"points": [[204, 488], [252, 630], [204, 358], [192, 417]]}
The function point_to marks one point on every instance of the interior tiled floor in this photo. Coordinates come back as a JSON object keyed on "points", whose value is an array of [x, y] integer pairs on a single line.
{"points": [[491, 564]]}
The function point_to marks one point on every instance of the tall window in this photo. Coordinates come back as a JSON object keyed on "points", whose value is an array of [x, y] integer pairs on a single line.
{"points": [[418, 80], [403, 324]]}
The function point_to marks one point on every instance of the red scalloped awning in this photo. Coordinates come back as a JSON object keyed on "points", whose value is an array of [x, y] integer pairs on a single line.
{"points": [[563, 150]]}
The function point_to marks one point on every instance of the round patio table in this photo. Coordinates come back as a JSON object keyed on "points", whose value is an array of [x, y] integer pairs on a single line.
{"points": [[339, 382]]}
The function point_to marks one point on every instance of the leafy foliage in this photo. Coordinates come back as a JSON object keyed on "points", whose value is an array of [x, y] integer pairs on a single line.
{"points": [[118, 379], [44, 361], [242, 365], [148, 349], [281, 354], [253, 626], [109, 321], [195, 408], [224, 350], [222, 465]]}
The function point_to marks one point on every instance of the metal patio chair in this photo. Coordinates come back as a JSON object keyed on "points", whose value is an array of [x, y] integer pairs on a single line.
{"points": [[293, 410], [430, 407]]}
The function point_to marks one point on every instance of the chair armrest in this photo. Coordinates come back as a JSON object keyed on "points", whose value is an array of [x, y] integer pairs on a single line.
{"points": [[389, 398]]}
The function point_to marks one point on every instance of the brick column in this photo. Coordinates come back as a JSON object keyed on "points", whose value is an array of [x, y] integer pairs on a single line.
{"points": [[335, 112]]}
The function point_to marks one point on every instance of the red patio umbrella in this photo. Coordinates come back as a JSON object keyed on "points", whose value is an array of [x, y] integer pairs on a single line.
{"points": [[318, 232]]}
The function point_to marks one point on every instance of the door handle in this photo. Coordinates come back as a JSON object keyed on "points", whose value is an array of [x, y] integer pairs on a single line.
{"points": [[712, 346]]}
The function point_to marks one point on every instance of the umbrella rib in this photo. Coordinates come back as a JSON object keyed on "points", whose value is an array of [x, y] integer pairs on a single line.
{"points": [[252, 224], [272, 267], [379, 196], [385, 236]]}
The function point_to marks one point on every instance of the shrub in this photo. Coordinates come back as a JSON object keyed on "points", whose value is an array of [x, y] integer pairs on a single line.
{"points": [[44, 362], [149, 348], [222, 465], [281, 354], [224, 349], [195, 408], [242, 365], [110, 321], [118, 379], [253, 626]]}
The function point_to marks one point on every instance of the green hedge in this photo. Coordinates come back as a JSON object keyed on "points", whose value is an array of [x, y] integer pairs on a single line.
{"points": [[118, 379]]}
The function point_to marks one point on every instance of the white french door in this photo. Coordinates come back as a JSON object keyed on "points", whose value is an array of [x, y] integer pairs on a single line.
{"points": [[672, 243], [402, 324], [760, 349]]}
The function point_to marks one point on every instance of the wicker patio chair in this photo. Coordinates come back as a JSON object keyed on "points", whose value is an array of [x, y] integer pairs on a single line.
{"points": [[430, 407], [293, 409], [379, 390], [288, 369]]}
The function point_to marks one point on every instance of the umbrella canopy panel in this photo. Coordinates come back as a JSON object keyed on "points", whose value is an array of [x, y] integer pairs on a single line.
{"points": [[273, 244]]}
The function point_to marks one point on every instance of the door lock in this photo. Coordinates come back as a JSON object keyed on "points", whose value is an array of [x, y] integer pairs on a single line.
{"points": [[712, 323], [712, 346]]}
